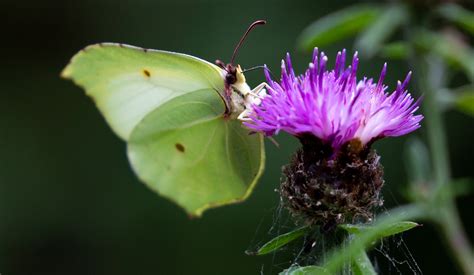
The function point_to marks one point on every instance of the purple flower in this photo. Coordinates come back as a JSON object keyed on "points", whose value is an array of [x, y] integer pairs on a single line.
{"points": [[332, 105]]}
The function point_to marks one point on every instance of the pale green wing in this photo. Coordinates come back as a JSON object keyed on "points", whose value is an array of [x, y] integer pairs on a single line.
{"points": [[188, 152], [127, 82]]}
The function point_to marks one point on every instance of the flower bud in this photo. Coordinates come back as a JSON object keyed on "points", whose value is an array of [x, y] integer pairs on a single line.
{"points": [[327, 189]]}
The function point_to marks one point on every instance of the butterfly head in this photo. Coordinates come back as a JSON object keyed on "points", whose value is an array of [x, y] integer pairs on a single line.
{"points": [[230, 72], [234, 77]]}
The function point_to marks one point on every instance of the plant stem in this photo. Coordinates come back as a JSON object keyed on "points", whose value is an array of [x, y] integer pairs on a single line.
{"points": [[431, 80], [361, 265], [451, 226]]}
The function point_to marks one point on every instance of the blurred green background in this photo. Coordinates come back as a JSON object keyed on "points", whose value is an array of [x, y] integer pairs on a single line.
{"points": [[69, 202]]}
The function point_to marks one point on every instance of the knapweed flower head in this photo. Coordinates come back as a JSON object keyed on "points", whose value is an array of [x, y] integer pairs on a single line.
{"points": [[333, 105], [335, 177]]}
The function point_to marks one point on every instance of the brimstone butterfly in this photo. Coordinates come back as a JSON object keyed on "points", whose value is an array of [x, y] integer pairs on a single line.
{"points": [[178, 115]]}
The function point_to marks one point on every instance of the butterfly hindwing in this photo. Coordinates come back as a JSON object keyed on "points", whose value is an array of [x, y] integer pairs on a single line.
{"points": [[187, 151]]}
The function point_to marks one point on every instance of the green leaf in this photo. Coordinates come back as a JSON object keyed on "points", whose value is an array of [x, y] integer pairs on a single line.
{"points": [[417, 165], [336, 26], [305, 270], [372, 38], [446, 98], [418, 161], [459, 15], [187, 151], [453, 189], [451, 49], [280, 241], [383, 226], [361, 265], [388, 230], [395, 50], [461, 187], [464, 100]]}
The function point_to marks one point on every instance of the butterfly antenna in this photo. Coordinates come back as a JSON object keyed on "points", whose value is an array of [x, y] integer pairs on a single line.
{"points": [[253, 68], [259, 67], [251, 27]]}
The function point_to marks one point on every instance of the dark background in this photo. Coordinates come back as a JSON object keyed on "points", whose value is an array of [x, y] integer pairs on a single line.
{"points": [[69, 202]]}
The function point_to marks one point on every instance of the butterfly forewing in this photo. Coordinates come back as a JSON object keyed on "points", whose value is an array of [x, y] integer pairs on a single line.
{"points": [[127, 82]]}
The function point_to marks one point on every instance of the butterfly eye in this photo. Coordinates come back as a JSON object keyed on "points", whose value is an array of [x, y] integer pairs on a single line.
{"points": [[230, 78]]}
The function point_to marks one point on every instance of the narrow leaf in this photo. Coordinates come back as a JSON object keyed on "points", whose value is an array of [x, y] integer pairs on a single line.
{"points": [[418, 161], [395, 50], [388, 230], [337, 26], [446, 99], [305, 270], [372, 38], [465, 100], [280, 241], [461, 187], [458, 15], [455, 188], [450, 48]]}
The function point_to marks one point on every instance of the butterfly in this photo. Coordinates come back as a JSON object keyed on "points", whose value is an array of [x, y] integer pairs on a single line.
{"points": [[180, 117]]}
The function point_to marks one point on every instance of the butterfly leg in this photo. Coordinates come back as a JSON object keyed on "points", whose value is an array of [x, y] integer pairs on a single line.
{"points": [[256, 92], [254, 97], [244, 115]]}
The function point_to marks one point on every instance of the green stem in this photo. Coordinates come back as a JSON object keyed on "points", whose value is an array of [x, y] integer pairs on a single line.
{"points": [[446, 215], [431, 79], [361, 265], [453, 231]]}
